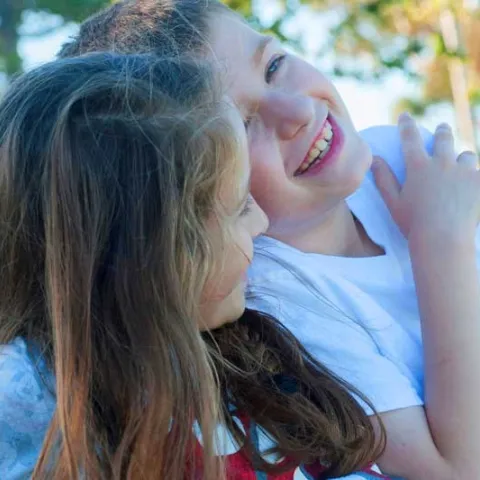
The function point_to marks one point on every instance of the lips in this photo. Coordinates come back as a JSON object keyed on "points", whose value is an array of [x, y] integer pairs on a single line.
{"points": [[319, 148]]}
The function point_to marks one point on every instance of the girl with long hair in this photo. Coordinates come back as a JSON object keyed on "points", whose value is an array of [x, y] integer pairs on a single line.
{"points": [[126, 229], [373, 283]]}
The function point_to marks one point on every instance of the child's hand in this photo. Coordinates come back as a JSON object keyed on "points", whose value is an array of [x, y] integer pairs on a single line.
{"points": [[441, 194]]}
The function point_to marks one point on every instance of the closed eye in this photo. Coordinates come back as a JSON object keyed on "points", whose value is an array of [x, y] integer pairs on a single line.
{"points": [[247, 121], [247, 208], [250, 118]]}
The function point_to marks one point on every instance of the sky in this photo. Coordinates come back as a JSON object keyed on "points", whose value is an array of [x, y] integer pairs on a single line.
{"points": [[369, 103]]}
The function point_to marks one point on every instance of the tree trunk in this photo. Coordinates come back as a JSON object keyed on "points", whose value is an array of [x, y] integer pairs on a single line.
{"points": [[10, 16], [458, 80]]}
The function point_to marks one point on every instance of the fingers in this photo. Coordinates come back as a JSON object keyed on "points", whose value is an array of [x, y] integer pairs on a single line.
{"points": [[414, 149], [412, 142], [387, 182], [444, 145], [444, 148], [469, 159]]}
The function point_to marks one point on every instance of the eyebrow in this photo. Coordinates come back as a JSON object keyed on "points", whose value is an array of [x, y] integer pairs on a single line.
{"points": [[260, 50]]}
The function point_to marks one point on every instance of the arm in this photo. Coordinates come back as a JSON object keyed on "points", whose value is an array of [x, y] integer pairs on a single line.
{"points": [[438, 211]]}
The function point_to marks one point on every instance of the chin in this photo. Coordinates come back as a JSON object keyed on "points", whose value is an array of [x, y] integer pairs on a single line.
{"points": [[359, 165], [230, 310], [238, 308]]}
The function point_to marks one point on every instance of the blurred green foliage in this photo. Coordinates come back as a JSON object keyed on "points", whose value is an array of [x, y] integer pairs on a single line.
{"points": [[12, 15], [369, 38], [372, 38]]}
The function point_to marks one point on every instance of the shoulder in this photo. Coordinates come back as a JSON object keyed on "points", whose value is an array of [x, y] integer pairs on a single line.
{"points": [[21, 378], [26, 408]]}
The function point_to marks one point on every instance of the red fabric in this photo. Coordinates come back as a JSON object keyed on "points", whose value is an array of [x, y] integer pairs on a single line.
{"points": [[239, 468]]}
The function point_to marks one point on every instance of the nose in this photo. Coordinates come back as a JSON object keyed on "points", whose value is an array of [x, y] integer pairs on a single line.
{"points": [[287, 113]]}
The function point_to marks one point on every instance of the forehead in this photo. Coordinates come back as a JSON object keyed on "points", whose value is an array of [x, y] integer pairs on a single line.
{"points": [[237, 50], [230, 34], [234, 44]]}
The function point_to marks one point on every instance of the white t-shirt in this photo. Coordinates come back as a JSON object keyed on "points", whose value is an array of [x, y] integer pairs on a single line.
{"points": [[358, 316]]}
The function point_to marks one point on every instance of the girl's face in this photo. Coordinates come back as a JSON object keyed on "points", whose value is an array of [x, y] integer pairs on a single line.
{"points": [[306, 155], [224, 295]]}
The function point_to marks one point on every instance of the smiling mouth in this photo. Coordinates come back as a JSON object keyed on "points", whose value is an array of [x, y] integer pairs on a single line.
{"points": [[318, 150]]}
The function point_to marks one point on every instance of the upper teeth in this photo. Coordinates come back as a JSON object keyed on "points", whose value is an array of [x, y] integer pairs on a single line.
{"points": [[320, 148]]}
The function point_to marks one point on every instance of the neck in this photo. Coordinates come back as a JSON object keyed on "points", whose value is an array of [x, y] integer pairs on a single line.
{"points": [[338, 233]]}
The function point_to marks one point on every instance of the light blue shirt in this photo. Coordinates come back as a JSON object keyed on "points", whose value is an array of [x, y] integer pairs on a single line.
{"points": [[26, 409]]}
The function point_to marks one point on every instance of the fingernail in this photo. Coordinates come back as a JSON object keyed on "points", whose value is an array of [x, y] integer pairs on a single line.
{"points": [[404, 116], [443, 126]]}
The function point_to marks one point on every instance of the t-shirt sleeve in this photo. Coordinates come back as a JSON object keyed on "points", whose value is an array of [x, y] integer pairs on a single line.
{"points": [[26, 408], [384, 141], [345, 347]]}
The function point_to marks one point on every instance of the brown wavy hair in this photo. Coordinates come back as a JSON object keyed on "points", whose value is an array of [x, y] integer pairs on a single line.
{"points": [[258, 361], [110, 166]]}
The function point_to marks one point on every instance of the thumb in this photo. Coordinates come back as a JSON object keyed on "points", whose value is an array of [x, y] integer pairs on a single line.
{"points": [[386, 182]]}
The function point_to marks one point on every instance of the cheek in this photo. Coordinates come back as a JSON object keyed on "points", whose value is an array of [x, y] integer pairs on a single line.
{"points": [[227, 310], [268, 183], [224, 295], [230, 271], [306, 78], [303, 75]]}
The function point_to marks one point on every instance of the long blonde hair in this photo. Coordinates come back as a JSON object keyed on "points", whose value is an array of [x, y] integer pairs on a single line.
{"points": [[109, 168]]}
